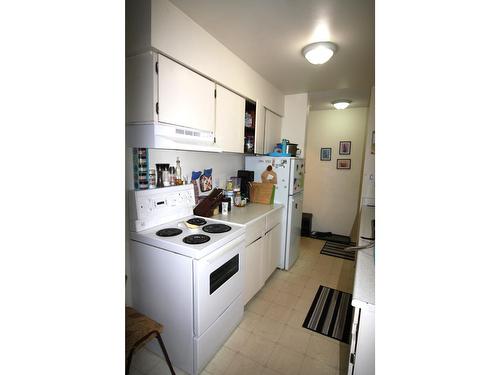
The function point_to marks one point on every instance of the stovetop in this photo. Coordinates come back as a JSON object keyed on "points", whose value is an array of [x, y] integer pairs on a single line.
{"points": [[191, 236]]}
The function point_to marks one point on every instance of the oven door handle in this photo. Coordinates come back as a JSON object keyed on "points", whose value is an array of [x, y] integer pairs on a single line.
{"points": [[210, 259]]}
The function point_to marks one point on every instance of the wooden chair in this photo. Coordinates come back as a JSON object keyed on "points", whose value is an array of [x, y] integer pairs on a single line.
{"points": [[139, 330]]}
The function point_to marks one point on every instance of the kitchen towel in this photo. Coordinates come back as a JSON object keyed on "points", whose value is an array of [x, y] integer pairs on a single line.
{"points": [[331, 314]]}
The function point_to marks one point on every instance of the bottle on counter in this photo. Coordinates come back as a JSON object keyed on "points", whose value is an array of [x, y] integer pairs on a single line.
{"points": [[172, 176], [166, 177], [178, 172]]}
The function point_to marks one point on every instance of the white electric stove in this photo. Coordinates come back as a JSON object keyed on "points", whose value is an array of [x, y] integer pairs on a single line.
{"points": [[191, 236], [186, 273]]}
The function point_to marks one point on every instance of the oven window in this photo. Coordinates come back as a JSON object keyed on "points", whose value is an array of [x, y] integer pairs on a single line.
{"points": [[223, 273]]}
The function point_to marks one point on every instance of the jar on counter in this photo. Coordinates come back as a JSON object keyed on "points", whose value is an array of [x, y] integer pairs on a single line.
{"points": [[237, 199], [225, 208], [230, 195]]}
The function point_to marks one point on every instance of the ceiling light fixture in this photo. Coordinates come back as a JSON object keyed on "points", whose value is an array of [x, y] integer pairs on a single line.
{"points": [[341, 104], [319, 53]]}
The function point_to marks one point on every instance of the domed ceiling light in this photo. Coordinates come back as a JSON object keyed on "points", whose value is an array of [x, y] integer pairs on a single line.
{"points": [[319, 53], [341, 103]]}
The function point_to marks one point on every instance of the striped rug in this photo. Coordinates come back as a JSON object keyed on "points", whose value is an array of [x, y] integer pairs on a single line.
{"points": [[331, 314], [336, 249]]}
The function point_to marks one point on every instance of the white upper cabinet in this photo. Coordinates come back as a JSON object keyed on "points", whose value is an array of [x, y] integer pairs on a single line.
{"points": [[141, 88], [185, 97], [229, 120], [259, 129], [158, 25], [272, 132]]}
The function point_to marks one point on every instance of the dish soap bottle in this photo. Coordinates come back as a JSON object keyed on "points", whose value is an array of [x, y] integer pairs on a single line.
{"points": [[178, 172]]}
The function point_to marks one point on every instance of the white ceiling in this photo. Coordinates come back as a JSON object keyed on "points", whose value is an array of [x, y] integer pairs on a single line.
{"points": [[270, 34]]}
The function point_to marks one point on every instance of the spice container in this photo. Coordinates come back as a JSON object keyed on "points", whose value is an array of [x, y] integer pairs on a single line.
{"points": [[141, 168], [152, 178]]}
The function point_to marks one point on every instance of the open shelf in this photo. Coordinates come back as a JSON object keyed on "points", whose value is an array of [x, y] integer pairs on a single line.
{"points": [[249, 143]]}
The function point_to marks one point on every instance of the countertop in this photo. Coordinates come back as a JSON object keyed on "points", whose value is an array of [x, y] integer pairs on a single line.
{"points": [[247, 214], [363, 295]]}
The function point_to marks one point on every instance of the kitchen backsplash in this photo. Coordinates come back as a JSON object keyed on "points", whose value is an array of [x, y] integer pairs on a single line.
{"points": [[224, 165]]}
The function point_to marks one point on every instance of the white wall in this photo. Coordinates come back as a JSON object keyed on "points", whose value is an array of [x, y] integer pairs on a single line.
{"points": [[332, 195], [295, 120], [179, 37], [368, 184]]}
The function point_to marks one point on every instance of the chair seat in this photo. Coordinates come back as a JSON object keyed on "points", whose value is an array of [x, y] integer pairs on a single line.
{"points": [[138, 326]]}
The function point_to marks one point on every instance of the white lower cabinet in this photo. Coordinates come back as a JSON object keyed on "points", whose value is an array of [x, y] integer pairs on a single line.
{"points": [[262, 258], [362, 356], [262, 252], [271, 258], [253, 268]]}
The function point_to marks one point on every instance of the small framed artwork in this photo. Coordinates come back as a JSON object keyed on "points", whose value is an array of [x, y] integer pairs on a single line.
{"points": [[343, 163], [345, 148], [326, 154]]}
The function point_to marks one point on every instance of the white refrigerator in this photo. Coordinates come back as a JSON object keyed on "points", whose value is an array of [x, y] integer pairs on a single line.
{"points": [[289, 173]]}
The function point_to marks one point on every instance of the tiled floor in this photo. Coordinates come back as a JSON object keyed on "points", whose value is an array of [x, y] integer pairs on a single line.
{"points": [[271, 339]]}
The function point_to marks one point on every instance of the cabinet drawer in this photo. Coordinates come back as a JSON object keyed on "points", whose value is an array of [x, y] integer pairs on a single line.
{"points": [[254, 230], [273, 218]]}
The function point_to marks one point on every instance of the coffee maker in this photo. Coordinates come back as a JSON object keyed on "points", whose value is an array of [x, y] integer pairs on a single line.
{"points": [[246, 177]]}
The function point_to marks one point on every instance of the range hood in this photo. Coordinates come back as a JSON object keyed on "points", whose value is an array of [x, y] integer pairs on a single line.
{"points": [[168, 136]]}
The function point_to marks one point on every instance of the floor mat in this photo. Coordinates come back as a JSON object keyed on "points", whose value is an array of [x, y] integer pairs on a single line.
{"points": [[329, 236], [336, 249], [331, 314]]}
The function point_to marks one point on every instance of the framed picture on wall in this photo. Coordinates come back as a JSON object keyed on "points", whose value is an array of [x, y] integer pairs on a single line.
{"points": [[325, 154], [343, 163], [345, 148]]}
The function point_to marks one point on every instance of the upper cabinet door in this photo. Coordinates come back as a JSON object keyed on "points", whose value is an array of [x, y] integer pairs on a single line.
{"points": [[272, 133], [229, 120], [185, 98]]}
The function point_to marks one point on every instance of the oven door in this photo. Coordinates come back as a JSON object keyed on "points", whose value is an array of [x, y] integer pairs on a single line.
{"points": [[218, 281]]}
